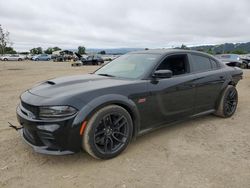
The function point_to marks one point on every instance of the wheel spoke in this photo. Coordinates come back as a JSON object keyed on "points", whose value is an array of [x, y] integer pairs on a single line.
{"points": [[120, 133], [111, 143], [99, 133], [121, 125], [100, 140], [117, 139], [106, 145], [118, 120], [232, 95]]}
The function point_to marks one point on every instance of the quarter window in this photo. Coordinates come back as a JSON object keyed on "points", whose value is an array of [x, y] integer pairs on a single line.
{"points": [[214, 64], [201, 63]]}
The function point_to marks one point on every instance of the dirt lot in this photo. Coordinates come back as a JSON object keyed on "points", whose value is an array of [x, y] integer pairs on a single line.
{"points": [[205, 152]]}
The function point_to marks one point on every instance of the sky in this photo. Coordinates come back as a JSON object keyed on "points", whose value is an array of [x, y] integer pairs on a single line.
{"points": [[124, 23]]}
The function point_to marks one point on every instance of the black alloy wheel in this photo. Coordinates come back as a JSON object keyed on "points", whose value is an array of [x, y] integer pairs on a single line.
{"points": [[111, 133], [108, 132], [230, 103]]}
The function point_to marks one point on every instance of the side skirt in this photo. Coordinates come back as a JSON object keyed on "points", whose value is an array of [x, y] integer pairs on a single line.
{"points": [[175, 122]]}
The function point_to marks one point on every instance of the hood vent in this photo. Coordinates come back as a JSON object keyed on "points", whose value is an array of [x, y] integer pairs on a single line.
{"points": [[50, 82]]}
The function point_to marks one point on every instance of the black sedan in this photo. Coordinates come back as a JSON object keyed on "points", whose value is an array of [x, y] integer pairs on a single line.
{"points": [[133, 94]]}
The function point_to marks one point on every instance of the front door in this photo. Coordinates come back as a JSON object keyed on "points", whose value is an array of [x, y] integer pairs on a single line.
{"points": [[171, 99]]}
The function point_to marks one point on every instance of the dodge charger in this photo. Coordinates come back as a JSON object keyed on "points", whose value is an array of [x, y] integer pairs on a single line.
{"points": [[102, 112]]}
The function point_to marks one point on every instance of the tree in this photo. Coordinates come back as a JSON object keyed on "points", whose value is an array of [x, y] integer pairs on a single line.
{"points": [[184, 47], [102, 52], [38, 50], [9, 50], [4, 40], [56, 49], [81, 50], [51, 50], [239, 52], [210, 51]]}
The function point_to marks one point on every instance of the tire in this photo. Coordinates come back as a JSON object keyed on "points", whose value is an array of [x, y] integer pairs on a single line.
{"points": [[36, 59], [5, 59], [228, 102], [19, 59], [243, 66], [48, 59], [100, 137]]}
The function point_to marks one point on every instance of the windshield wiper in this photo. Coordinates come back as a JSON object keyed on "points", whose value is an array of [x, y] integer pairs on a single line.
{"points": [[108, 75]]}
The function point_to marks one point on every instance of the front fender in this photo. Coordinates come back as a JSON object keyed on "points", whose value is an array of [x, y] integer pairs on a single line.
{"points": [[88, 110]]}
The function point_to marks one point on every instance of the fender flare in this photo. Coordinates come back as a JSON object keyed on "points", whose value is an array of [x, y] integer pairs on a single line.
{"points": [[88, 110], [228, 81]]}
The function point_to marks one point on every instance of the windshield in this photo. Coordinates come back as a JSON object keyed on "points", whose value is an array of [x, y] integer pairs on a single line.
{"points": [[131, 66]]}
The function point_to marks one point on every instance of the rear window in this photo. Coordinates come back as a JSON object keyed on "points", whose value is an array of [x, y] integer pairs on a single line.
{"points": [[201, 63]]}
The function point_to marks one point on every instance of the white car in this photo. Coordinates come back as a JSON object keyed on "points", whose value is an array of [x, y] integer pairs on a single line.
{"points": [[13, 57]]}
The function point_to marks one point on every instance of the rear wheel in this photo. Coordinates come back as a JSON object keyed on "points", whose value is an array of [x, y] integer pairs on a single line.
{"points": [[19, 59], [228, 102], [108, 132]]}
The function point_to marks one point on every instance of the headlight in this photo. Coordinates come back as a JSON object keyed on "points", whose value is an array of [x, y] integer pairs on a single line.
{"points": [[56, 111]]}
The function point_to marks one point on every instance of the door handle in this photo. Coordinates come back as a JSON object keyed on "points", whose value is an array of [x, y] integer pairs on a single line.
{"points": [[222, 77]]}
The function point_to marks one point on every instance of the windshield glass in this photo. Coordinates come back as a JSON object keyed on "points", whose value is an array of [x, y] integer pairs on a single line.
{"points": [[129, 66]]}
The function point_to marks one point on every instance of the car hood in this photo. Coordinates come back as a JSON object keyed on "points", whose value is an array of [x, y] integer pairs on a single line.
{"points": [[75, 85]]}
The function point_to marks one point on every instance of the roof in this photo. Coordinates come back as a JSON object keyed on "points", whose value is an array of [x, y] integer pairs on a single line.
{"points": [[164, 52]]}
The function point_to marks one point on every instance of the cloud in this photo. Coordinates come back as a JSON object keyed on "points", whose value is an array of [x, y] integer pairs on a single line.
{"points": [[130, 23]]}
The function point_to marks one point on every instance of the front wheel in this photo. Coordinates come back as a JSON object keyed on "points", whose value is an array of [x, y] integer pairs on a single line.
{"points": [[108, 132], [228, 102]]}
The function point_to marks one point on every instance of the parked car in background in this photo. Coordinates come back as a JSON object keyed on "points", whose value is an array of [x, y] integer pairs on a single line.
{"points": [[246, 60], [93, 60], [90, 60], [41, 57], [232, 60], [13, 57]]}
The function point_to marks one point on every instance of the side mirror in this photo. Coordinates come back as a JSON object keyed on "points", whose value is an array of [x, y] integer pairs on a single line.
{"points": [[163, 74]]}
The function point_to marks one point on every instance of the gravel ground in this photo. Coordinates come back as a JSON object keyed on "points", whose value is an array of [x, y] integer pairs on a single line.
{"points": [[204, 152]]}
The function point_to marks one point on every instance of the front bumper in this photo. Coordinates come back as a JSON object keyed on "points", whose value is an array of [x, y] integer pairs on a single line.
{"points": [[55, 137], [44, 149]]}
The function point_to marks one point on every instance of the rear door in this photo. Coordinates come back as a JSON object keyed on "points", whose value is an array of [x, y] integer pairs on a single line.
{"points": [[208, 82]]}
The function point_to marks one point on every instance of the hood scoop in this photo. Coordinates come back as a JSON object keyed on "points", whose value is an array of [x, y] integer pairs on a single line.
{"points": [[50, 82]]}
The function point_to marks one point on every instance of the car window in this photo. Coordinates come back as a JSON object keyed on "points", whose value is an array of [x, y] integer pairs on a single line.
{"points": [[201, 63], [213, 64], [131, 66], [178, 64]]}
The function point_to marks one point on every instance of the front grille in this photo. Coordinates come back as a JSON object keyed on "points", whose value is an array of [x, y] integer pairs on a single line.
{"points": [[33, 109]]}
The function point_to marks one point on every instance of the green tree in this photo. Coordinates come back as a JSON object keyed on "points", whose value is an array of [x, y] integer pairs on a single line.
{"points": [[4, 40], [56, 49], [81, 50], [239, 52], [210, 51], [9, 50], [49, 51], [37, 50], [184, 47], [102, 52]]}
